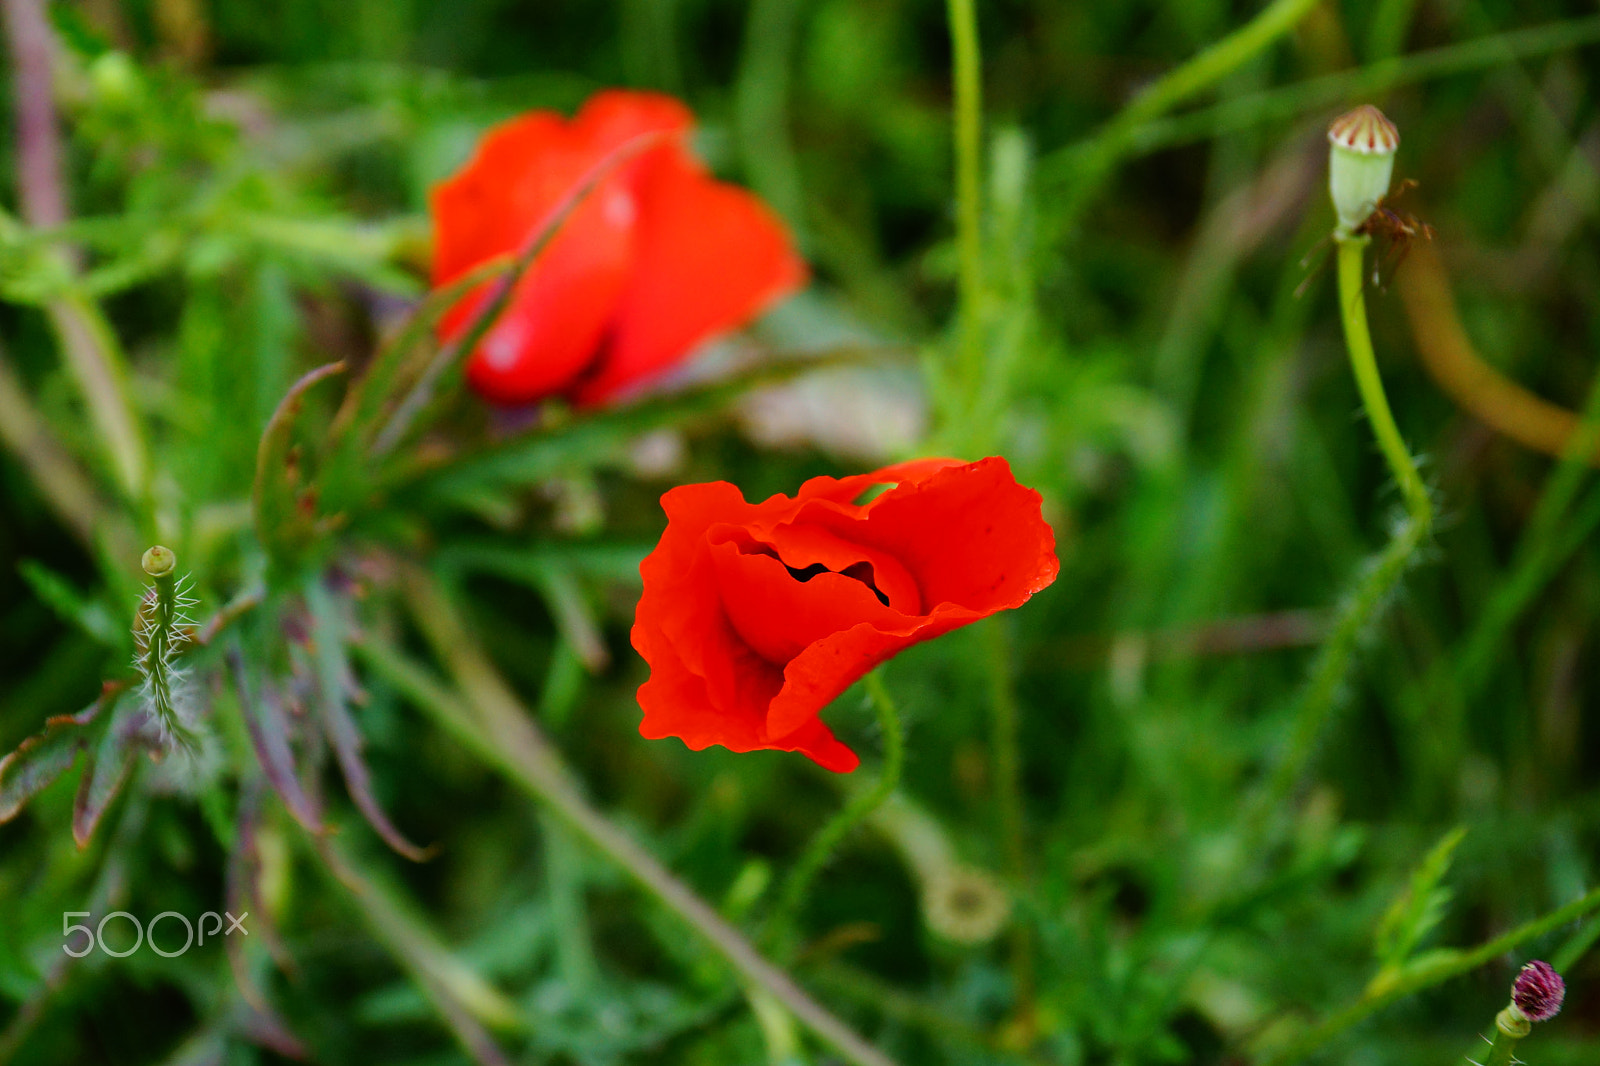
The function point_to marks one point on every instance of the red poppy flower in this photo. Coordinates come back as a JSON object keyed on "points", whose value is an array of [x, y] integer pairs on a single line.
{"points": [[756, 615], [656, 259]]}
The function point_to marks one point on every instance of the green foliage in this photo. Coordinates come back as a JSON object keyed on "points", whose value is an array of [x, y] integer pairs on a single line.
{"points": [[1206, 766]]}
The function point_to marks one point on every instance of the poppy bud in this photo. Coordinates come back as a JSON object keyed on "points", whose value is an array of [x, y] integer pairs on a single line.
{"points": [[1538, 991], [1360, 163], [159, 561]]}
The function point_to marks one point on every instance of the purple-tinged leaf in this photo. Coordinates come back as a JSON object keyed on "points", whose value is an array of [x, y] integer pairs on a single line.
{"points": [[284, 510], [267, 722], [258, 1019], [45, 756], [107, 767], [333, 674], [267, 1030], [244, 878]]}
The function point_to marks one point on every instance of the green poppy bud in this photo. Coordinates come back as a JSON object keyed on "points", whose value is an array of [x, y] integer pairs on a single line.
{"points": [[1360, 163]]}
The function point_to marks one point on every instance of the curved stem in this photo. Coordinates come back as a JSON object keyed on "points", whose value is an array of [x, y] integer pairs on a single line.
{"points": [[821, 848], [1371, 591], [1364, 363], [967, 74]]}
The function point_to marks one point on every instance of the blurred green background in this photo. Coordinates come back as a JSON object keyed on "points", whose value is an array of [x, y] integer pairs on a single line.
{"points": [[249, 183]]}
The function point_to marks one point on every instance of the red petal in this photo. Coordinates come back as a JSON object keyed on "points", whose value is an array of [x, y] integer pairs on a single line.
{"points": [[562, 308], [820, 674], [970, 535], [706, 685], [719, 612], [778, 616], [847, 490], [711, 256]]}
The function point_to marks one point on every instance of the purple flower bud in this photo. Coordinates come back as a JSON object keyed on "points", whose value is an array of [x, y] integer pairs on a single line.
{"points": [[1538, 991]]}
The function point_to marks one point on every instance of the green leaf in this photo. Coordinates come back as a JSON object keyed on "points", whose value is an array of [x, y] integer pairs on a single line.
{"points": [[285, 510], [334, 679], [42, 758], [601, 438], [1415, 912], [58, 594], [107, 768]]}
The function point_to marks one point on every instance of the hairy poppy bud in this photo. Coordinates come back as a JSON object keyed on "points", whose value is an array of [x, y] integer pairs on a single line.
{"points": [[1360, 163], [1538, 991]]}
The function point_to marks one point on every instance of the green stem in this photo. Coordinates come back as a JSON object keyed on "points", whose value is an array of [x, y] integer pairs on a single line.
{"points": [[1509, 1029], [1353, 312], [1371, 592], [1362, 607], [1008, 794], [798, 887], [1090, 163], [489, 720], [95, 358], [967, 74], [158, 637]]}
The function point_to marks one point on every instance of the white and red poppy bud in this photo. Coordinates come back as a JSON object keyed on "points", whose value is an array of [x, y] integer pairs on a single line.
{"points": [[1360, 163]]}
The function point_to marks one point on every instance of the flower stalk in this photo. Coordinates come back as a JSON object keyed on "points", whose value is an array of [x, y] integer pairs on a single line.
{"points": [[823, 845], [1536, 996], [160, 632], [1364, 364]]}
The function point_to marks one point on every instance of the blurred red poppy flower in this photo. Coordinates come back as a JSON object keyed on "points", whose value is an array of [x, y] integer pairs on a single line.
{"points": [[756, 615], [657, 258]]}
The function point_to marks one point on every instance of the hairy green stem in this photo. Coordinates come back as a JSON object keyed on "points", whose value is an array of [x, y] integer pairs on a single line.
{"points": [[821, 848], [1008, 796], [1364, 363], [489, 720], [967, 74], [1509, 1029], [1382, 575], [158, 636]]}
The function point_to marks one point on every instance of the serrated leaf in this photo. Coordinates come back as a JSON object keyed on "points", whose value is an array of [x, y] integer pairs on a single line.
{"points": [[333, 680], [42, 758], [1417, 910], [267, 723], [244, 896]]}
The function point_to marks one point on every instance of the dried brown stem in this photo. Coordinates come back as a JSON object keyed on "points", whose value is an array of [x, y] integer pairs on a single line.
{"points": [[1451, 360]]}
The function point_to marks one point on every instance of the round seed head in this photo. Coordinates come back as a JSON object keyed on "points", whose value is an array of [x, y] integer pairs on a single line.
{"points": [[965, 905], [1360, 163], [1538, 991], [159, 561]]}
